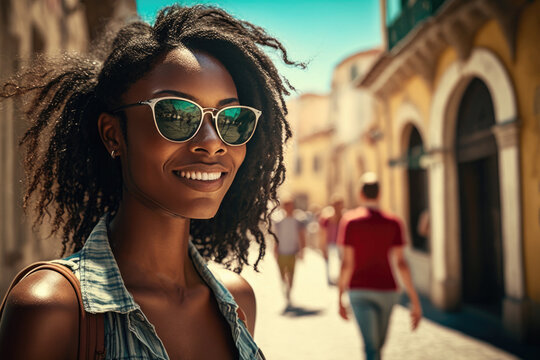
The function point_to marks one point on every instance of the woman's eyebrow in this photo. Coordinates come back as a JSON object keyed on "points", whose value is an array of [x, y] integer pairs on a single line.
{"points": [[176, 93], [193, 98], [227, 101]]}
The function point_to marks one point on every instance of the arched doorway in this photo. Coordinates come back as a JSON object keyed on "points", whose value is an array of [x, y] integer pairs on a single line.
{"points": [[418, 194], [479, 200]]}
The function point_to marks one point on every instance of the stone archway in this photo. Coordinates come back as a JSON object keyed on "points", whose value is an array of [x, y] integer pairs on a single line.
{"points": [[476, 152], [408, 117], [446, 276], [410, 121]]}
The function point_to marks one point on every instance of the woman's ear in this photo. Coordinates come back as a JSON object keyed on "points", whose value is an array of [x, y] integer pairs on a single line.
{"points": [[110, 132]]}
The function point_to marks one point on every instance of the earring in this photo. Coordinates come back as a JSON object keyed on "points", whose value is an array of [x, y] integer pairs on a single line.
{"points": [[113, 155]]}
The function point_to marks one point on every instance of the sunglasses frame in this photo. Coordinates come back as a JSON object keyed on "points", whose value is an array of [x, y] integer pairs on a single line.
{"points": [[212, 111]]}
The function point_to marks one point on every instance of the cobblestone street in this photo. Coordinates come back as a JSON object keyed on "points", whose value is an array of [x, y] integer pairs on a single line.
{"points": [[313, 330]]}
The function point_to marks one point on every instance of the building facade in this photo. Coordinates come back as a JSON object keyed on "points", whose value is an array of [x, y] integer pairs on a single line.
{"points": [[352, 112], [327, 154], [28, 28], [307, 157], [458, 109]]}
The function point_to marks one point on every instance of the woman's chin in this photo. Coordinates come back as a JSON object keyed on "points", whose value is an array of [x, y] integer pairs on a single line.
{"points": [[202, 216], [201, 208], [204, 213]]}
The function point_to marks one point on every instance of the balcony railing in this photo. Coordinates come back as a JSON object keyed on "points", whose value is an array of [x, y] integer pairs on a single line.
{"points": [[409, 18]]}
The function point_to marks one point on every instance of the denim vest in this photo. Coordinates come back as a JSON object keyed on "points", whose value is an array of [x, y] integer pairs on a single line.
{"points": [[128, 333]]}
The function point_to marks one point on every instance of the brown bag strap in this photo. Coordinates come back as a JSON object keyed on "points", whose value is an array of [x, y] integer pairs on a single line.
{"points": [[242, 315], [91, 326]]}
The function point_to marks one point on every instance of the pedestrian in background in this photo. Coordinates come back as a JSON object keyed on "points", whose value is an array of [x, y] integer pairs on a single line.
{"points": [[311, 225], [290, 233], [370, 237], [424, 227], [329, 223]]}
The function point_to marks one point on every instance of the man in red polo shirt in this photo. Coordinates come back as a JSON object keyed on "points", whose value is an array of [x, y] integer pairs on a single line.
{"points": [[370, 237]]}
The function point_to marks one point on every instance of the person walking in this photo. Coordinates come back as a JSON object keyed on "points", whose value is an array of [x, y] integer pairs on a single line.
{"points": [[290, 233], [370, 237], [329, 222]]}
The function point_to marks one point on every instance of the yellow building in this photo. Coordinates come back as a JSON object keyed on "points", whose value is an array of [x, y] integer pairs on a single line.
{"points": [[325, 157], [352, 111], [458, 118], [32, 27], [307, 156]]}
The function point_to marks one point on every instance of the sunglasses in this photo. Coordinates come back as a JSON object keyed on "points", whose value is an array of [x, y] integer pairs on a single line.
{"points": [[178, 120]]}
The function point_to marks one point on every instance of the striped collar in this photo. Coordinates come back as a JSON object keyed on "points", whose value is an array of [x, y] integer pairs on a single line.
{"points": [[102, 286]]}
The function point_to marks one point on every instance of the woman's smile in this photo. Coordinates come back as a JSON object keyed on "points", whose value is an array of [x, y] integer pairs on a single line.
{"points": [[202, 177], [198, 175]]}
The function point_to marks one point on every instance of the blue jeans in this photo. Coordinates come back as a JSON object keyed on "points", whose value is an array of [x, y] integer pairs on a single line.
{"points": [[372, 311]]}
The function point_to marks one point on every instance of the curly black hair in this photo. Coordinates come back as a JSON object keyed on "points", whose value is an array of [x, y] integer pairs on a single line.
{"points": [[70, 173]]}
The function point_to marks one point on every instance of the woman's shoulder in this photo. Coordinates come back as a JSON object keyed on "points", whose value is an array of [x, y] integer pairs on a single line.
{"points": [[243, 294], [237, 286], [43, 289], [42, 310]]}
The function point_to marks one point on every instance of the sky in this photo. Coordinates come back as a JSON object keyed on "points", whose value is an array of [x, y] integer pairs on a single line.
{"points": [[321, 33]]}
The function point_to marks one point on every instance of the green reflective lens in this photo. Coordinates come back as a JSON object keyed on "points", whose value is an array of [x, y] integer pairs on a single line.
{"points": [[236, 125], [176, 119]]}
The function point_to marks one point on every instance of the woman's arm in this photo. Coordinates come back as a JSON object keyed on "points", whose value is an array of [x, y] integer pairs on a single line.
{"points": [[40, 319], [243, 295]]}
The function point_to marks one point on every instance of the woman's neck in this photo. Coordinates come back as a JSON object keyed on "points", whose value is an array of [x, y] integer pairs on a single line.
{"points": [[151, 247]]}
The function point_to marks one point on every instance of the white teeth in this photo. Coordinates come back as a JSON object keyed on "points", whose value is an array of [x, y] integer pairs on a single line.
{"points": [[198, 175]]}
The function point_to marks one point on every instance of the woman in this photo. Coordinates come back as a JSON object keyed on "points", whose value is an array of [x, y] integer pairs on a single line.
{"points": [[161, 156]]}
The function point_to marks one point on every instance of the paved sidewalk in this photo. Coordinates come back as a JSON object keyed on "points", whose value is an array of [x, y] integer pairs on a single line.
{"points": [[313, 330]]}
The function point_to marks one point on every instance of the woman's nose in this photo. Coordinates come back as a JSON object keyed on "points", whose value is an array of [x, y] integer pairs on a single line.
{"points": [[207, 139]]}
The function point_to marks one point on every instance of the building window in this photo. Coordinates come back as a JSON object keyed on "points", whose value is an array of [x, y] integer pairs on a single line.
{"points": [[402, 16], [298, 167], [354, 72], [316, 163], [419, 221], [393, 10], [38, 41]]}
